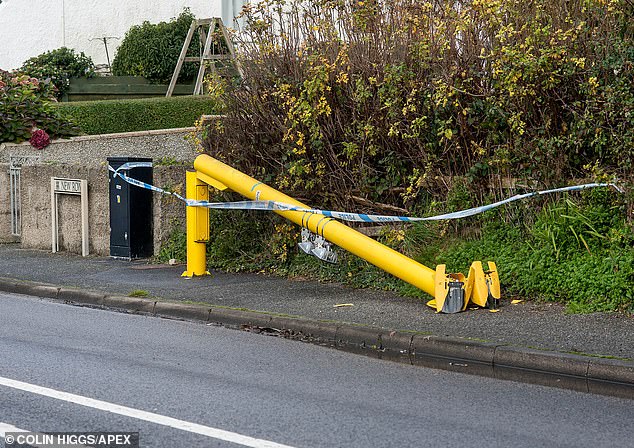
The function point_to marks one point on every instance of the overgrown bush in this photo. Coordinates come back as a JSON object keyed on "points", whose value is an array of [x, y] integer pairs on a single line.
{"points": [[580, 253], [59, 66], [422, 107], [152, 50], [111, 116], [26, 104], [384, 100], [175, 247]]}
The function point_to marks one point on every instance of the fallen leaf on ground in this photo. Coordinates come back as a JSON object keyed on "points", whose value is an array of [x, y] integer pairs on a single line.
{"points": [[516, 301], [494, 311]]}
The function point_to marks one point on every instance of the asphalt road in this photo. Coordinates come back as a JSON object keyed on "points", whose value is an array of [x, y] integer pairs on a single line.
{"points": [[66, 368]]}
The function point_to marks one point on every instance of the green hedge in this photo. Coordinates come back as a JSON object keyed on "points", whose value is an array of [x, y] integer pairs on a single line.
{"points": [[151, 50], [59, 66], [111, 116]]}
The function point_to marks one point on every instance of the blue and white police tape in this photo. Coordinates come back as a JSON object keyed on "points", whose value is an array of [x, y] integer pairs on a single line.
{"points": [[131, 165], [344, 216]]}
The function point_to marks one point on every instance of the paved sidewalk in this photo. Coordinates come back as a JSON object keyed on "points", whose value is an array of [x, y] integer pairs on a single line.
{"points": [[529, 324]]}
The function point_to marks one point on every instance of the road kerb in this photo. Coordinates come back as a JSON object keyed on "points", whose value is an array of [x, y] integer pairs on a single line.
{"points": [[180, 311], [81, 296], [130, 304], [239, 319], [358, 339], [611, 377], [562, 370], [315, 332], [395, 345], [570, 371], [454, 354], [28, 288], [49, 292]]}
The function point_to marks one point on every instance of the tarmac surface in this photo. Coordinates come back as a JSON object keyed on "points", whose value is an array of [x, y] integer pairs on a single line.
{"points": [[530, 324], [270, 388]]}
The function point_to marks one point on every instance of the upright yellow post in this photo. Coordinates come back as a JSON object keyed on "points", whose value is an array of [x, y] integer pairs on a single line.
{"points": [[197, 226]]}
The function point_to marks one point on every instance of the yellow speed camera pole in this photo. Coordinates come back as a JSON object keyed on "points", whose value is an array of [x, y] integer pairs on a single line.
{"points": [[222, 176], [452, 292], [197, 226]]}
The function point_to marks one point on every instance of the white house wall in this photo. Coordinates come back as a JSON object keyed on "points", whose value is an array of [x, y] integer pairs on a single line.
{"points": [[31, 27]]}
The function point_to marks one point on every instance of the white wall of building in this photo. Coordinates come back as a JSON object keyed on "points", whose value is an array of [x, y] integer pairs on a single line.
{"points": [[31, 27]]}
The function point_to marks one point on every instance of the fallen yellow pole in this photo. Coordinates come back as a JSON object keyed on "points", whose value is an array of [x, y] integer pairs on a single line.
{"points": [[343, 236]]}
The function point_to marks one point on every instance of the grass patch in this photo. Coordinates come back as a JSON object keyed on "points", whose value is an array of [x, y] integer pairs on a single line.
{"points": [[139, 293]]}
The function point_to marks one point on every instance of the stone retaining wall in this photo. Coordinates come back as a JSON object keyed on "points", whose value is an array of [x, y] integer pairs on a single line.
{"points": [[85, 158], [92, 150], [169, 212]]}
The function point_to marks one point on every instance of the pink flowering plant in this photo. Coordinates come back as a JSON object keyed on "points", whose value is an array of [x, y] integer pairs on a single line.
{"points": [[40, 139], [26, 105]]}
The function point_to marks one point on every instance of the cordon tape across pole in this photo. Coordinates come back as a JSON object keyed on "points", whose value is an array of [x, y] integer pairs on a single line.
{"points": [[344, 216]]}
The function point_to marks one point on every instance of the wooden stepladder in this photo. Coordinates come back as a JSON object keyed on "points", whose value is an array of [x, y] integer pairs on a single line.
{"points": [[216, 46]]}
